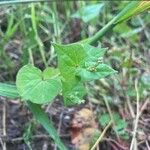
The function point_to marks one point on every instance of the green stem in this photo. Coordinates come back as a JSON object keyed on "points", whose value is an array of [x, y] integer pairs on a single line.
{"points": [[109, 26], [37, 38]]}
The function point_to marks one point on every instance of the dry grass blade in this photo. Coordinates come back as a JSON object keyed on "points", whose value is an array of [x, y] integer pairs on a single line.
{"points": [[101, 136]]}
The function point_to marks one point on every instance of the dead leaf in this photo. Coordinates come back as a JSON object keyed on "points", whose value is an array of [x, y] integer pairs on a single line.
{"points": [[83, 129]]}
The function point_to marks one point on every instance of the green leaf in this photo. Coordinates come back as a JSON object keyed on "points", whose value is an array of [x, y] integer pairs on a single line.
{"points": [[8, 90], [104, 119], [120, 124], [93, 73], [69, 58], [89, 12], [37, 86], [73, 57], [50, 73], [73, 92]]}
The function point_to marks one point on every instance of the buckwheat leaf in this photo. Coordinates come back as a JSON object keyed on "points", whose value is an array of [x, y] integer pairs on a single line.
{"points": [[75, 62], [37, 86]]}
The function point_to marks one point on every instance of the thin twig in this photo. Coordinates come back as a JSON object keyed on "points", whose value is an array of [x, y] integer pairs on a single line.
{"points": [[59, 127], [148, 146], [4, 124], [1, 142], [114, 141], [134, 142], [130, 107], [45, 146], [101, 136], [110, 114]]}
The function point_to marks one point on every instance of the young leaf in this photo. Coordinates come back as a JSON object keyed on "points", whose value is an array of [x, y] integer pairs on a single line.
{"points": [[73, 92], [89, 12], [73, 57], [95, 72], [37, 86]]}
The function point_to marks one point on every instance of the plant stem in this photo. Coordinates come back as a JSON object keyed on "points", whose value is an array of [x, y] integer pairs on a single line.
{"points": [[116, 20], [37, 38]]}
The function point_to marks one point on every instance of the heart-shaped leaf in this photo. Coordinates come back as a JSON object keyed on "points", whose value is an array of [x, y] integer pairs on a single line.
{"points": [[37, 86]]}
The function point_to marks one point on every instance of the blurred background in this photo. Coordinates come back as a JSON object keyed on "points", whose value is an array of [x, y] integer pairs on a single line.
{"points": [[26, 33]]}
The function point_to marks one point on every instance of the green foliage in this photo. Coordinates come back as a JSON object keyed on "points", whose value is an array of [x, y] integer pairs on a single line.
{"points": [[104, 119], [37, 86], [89, 12], [120, 124], [79, 63], [94, 71], [128, 32]]}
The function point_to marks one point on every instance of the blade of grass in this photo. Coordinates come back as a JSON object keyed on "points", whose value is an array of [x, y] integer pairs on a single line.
{"points": [[11, 92], [10, 31], [39, 41]]}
